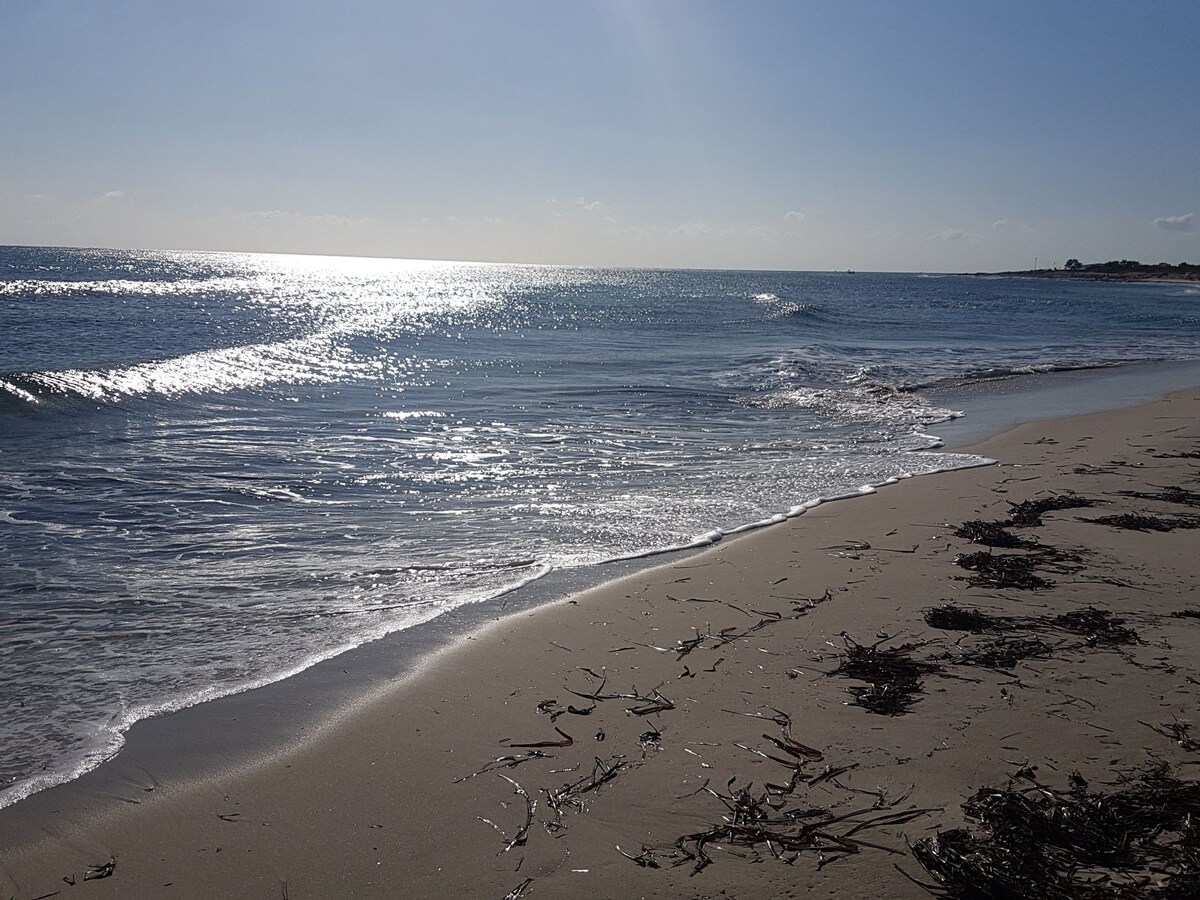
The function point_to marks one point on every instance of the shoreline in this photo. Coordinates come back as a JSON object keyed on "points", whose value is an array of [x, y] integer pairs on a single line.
{"points": [[771, 544], [304, 699]]}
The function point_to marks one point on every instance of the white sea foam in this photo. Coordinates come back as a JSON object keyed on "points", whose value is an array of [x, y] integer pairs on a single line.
{"points": [[17, 392], [860, 403], [108, 736], [303, 361]]}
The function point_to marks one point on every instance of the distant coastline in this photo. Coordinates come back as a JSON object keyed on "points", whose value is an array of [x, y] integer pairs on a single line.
{"points": [[1114, 270]]}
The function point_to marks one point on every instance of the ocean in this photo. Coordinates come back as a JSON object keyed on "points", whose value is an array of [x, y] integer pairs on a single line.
{"points": [[219, 469]]}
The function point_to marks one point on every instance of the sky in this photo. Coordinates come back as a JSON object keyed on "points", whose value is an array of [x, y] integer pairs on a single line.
{"points": [[875, 135]]}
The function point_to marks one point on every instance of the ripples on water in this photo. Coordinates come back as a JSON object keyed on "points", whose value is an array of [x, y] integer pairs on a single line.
{"points": [[218, 468]]}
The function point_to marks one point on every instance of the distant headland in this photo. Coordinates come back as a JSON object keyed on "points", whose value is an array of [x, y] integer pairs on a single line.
{"points": [[1113, 270]]}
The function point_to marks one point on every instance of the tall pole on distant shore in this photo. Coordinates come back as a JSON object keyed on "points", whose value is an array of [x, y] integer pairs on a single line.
{"points": [[1035, 264]]}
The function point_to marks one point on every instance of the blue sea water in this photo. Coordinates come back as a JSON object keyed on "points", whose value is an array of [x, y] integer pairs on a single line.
{"points": [[217, 469]]}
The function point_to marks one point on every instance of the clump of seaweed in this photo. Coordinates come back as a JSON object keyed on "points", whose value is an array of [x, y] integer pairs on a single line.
{"points": [[950, 617], [1177, 731], [1171, 494], [991, 534], [1139, 840], [893, 677], [1186, 614], [1002, 570], [1137, 522], [757, 826], [1001, 653], [1097, 625], [1028, 513], [752, 825]]}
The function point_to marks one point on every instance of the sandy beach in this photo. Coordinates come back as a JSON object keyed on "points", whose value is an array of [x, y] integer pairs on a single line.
{"points": [[585, 749]]}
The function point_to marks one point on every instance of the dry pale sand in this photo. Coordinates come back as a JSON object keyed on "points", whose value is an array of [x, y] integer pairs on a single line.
{"points": [[700, 661]]}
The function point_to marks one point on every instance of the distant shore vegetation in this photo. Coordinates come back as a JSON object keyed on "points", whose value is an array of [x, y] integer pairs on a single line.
{"points": [[1116, 270]]}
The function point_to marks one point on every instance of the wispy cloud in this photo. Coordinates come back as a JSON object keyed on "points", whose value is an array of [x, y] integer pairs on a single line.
{"points": [[111, 195], [1000, 223], [702, 229], [634, 231], [569, 207], [283, 215], [1175, 223], [692, 229], [954, 234], [794, 214]]}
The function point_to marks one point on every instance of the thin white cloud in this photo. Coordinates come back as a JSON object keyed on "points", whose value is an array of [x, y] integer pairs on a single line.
{"points": [[635, 231], [1175, 223], [794, 214], [1000, 223], [692, 229], [283, 215], [111, 195], [587, 205], [954, 234], [702, 229]]}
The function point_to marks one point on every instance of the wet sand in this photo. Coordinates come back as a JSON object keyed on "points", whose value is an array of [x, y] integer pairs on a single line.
{"points": [[516, 763]]}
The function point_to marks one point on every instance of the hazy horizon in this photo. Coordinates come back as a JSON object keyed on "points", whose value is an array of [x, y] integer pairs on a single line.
{"points": [[799, 136]]}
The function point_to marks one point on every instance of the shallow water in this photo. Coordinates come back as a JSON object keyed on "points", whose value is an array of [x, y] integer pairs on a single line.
{"points": [[220, 468]]}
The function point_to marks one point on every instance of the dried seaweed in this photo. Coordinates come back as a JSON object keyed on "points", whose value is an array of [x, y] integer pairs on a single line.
{"points": [[1028, 513], [950, 617], [646, 704], [893, 677], [100, 870], [1097, 625], [1179, 732], [519, 891], [1002, 653], [1171, 494], [566, 741], [1138, 522], [572, 794], [1141, 840], [1002, 570], [756, 827], [1186, 614], [505, 762], [991, 534]]}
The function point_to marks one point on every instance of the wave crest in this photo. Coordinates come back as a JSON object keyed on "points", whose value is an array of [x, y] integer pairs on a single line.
{"points": [[300, 361]]}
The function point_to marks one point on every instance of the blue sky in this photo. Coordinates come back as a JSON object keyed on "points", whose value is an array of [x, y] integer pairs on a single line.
{"points": [[890, 135]]}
